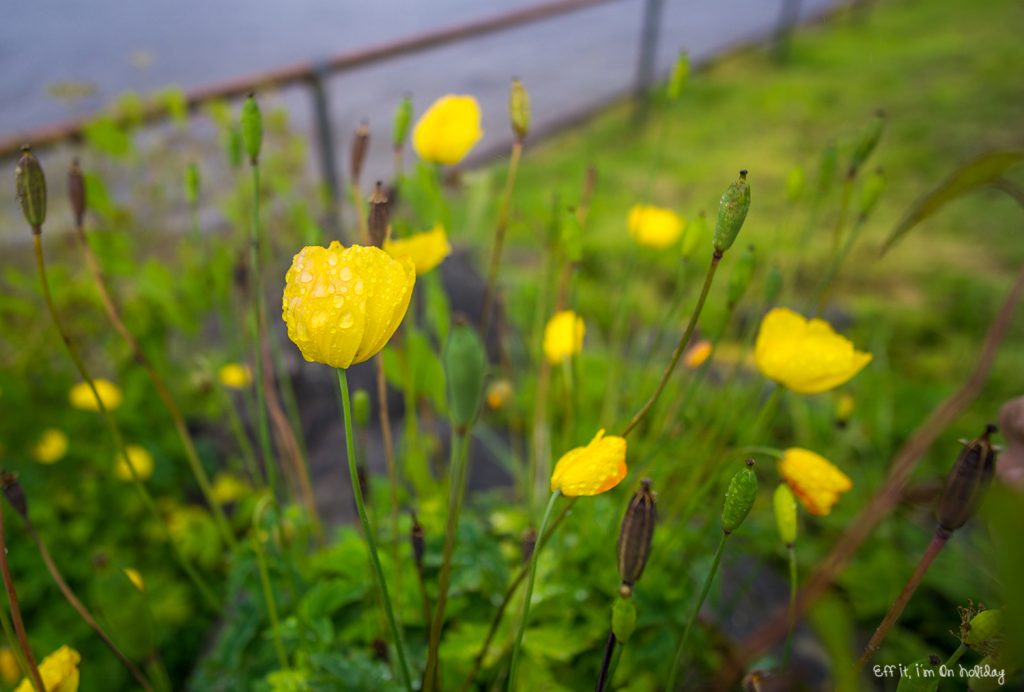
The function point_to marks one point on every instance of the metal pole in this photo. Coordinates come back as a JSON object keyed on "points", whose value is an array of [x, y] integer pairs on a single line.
{"points": [[647, 53], [330, 179]]}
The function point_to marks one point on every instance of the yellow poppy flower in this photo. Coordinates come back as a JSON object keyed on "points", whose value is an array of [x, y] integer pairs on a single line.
{"points": [[563, 336], [81, 396], [228, 488], [135, 578], [10, 672], [235, 376], [806, 356], [52, 446], [141, 460], [448, 130], [593, 469], [813, 479], [342, 305], [59, 672], [498, 394], [653, 226], [426, 250], [697, 354]]}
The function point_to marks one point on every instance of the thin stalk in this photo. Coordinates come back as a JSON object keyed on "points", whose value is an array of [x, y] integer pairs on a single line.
{"points": [[115, 430], [516, 650], [82, 611], [256, 269], [844, 207], [673, 307], [268, 598], [615, 664], [364, 519], [680, 347], [955, 656], [609, 408], [12, 644], [791, 549], [114, 315], [896, 609], [603, 675], [389, 458], [456, 493], [499, 235], [12, 599], [244, 445], [821, 293], [681, 651], [291, 408]]}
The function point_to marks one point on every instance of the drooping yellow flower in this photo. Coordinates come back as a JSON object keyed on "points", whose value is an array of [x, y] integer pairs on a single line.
{"points": [[426, 250], [235, 376], [813, 479], [697, 354], [59, 672], [498, 394], [135, 578], [654, 226], [448, 130], [563, 336], [228, 488], [342, 305], [141, 460], [81, 396], [593, 469], [52, 446], [9, 669], [806, 356]]}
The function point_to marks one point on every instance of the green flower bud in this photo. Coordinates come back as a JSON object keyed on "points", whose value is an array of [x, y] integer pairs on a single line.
{"points": [[465, 367], [986, 629], [772, 284], [741, 274], [827, 168], [969, 478], [732, 211], [192, 184], [623, 619], [361, 407], [519, 109], [870, 192], [252, 129], [403, 118], [677, 80], [784, 505], [739, 497], [867, 142], [795, 181], [233, 146], [30, 186], [695, 233]]}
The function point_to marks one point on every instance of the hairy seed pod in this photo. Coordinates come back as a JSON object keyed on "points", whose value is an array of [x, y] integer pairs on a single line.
{"points": [[742, 273], [965, 484], [379, 216], [866, 143], [76, 192], [465, 368], [635, 534], [870, 192], [739, 497], [403, 119], [623, 619], [14, 493], [360, 145], [732, 211], [30, 185], [361, 407], [416, 537], [519, 109], [677, 80], [784, 505], [252, 129], [192, 184]]}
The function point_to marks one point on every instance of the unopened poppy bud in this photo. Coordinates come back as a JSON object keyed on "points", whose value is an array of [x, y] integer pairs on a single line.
{"points": [[519, 109], [827, 168], [870, 192], [30, 184], [360, 145], [192, 184], [784, 505], [741, 275], [971, 474], [635, 534], [379, 216], [416, 537], [732, 211], [465, 367], [361, 407], [76, 192], [623, 619], [252, 129], [233, 147], [739, 497], [985, 630], [14, 493], [772, 284], [529, 544], [403, 118], [677, 80], [866, 143]]}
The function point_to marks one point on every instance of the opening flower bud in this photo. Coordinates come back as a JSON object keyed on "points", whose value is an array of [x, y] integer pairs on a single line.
{"points": [[636, 533], [30, 184], [732, 212], [252, 129], [465, 366], [519, 109], [739, 497], [969, 478]]}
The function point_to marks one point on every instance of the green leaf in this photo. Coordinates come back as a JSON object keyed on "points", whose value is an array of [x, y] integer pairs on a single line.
{"points": [[983, 170]]}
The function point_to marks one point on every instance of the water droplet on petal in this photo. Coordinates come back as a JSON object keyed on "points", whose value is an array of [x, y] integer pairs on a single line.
{"points": [[346, 320]]}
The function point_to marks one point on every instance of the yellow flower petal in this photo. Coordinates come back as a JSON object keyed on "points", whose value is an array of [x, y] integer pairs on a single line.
{"points": [[593, 469], [141, 461], [59, 671], [426, 250], [498, 394], [813, 479], [235, 376], [81, 396], [697, 354], [228, 488], [448, 130], [52, 446], [806, 356], [342, 305], [654, 226], [563, 336], [135, 578]]}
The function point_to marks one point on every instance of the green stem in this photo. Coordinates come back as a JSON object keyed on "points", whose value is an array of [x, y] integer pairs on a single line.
{"points": [[681, 651], [238, 430], [364, 519], [499, 236], [12, 644], [960, 651], [514, 670], [456, 493], [268, 598], [610, 407], [821, 293], [12, 599], [792, 605]]}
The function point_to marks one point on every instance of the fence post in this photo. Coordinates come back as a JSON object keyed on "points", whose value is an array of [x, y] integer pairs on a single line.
{"points": [[330, 180], [647, 53]]}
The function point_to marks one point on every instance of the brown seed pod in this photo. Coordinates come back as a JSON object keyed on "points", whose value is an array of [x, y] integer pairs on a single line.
{"points": [[965, 484], [636, 533], [379, 216]]}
